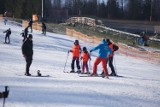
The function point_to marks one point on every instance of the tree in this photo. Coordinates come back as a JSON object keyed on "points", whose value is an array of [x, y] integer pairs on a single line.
{"points": [[134, 10], [102, 10], [113, 9]]}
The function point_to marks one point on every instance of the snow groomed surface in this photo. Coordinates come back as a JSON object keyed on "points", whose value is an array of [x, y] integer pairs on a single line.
{"points": [[139, 86]]}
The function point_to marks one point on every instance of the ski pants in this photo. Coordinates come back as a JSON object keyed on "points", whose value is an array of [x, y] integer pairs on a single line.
{"points": [[104, 62], [85, 66], [77, 63], [28, 64], [31, 28], [7, 36], [110, 60]]}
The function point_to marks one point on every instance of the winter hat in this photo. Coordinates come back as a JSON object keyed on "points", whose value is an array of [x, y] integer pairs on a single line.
{"points": [[108, 41], [84, 49], [76, 41]]}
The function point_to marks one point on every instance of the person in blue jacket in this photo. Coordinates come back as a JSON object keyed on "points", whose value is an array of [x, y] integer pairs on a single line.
{"points": [[104, 52]]}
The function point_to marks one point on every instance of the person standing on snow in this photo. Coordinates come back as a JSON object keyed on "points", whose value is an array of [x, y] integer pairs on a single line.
{"points": [[25, 33], [43, 28], [85, 57], [104, 52], [30, 24], [8, 33], [27, 51], [114, 48], [76, 50]]}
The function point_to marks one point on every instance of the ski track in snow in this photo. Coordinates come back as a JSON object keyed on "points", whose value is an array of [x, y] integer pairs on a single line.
{"points": [[139, 86]]}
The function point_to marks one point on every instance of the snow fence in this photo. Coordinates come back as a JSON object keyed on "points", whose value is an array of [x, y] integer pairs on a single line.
{"points": [[136, 52]]}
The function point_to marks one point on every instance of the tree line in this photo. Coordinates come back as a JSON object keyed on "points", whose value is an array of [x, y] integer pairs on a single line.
{"points": [[110, 9]]}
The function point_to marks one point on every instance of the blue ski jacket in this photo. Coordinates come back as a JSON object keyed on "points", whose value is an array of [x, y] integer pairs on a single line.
{"points": [[104, 50]]}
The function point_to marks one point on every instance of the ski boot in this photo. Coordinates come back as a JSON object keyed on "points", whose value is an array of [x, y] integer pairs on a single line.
{"points": [[79, 71], [38, 73], [72, 71]]}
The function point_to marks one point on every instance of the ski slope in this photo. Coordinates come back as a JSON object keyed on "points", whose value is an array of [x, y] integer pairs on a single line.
{"points": [[139, 86]]}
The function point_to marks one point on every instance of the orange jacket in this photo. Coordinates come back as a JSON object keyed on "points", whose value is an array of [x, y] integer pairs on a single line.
{"points": [[76, 49], [85, 56], [111, 46]]}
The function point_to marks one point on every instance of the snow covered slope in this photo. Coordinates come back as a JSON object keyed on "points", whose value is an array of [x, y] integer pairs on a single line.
{"points": [[139, 86]]}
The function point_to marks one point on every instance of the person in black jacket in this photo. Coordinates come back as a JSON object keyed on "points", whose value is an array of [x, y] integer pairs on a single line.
{"points": [[30, 24], [43, 28], [24, 33], [27, 51], [114, 48], [8, 33]]}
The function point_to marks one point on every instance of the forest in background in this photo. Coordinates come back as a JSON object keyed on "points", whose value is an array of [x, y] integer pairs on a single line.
{"points": [[147, 10]]}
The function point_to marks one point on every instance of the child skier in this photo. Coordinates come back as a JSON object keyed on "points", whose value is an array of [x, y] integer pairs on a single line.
{"points": [[76, 50], [85, 57]]}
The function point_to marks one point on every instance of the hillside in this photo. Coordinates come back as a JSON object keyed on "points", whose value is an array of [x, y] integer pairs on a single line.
{"points": [[138, 86]]}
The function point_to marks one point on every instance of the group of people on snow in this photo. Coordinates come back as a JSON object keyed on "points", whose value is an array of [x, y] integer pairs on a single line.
{"points": [[27, 46], [106, 52]]}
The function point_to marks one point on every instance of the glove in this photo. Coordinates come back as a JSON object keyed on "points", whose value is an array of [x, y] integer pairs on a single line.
{"points": [[90, 51]]}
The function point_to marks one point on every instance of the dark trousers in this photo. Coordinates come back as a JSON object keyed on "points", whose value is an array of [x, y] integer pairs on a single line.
{"points": [[31, 28], [44, 31], [77, 63], [85, 66], [111, 65], [28, 64], [7, 36]]}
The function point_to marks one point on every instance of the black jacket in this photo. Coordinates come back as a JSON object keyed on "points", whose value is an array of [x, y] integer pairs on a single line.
{"points": [[27, 48], [8, 32], [30, 23]]}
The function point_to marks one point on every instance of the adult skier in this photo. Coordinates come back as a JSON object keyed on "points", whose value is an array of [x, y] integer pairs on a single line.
{"points": [[25, 33], [8, 33], [30, 24], [27, 51], [114, 48], [104, 52], [43, 28]]}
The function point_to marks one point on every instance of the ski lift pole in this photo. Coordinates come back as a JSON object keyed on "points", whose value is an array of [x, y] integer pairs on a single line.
{"points": [[66, 62]]}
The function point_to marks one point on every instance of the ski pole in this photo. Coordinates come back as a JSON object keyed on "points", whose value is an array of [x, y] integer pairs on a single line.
{"points": [[115, 65], [66, 62], [90, 66]]}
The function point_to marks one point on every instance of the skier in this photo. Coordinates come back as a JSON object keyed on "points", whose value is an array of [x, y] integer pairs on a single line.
{"points": [[5, 18], [85, 57], [76, 50], [30, 24], [114, 48], [25, 33], [27, 51], [104, 52], [8, 33], [43, 28]]}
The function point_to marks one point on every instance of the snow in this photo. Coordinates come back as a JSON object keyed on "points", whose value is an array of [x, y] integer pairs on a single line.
{"points": [[139, 86]]}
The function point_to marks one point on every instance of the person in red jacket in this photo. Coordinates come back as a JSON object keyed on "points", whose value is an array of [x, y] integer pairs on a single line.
{"points": [[76, 50], [85, 57], [114, 48]]}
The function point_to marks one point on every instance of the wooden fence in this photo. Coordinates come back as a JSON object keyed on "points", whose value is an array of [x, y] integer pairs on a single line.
{"points": [[36, 25], [123, 49]]}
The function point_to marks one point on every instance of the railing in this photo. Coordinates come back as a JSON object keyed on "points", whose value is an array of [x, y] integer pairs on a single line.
{"points": [[123, 49]]}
